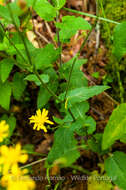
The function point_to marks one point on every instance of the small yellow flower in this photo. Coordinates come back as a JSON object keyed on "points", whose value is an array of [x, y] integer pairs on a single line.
{"points": [[17, 179], [40, 119], [10, 156], [3, 130]]}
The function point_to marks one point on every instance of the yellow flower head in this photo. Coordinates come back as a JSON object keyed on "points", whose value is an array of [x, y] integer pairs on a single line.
{"points": [[17, 179], [3, 130], [10, 156], [40, 119]]}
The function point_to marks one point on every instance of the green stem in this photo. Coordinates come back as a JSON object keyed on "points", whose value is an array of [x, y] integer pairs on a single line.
{"points": [[119, 82], [33, 163], [91, 15], [45, 86], [79, 168], [58, 37], [29, 57], [22, 37], [47, 175], [75, 59], [12, 43]]}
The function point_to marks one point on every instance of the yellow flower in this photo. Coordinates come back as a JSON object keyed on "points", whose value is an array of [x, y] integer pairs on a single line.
{"points": [[40, 119], [3, 130], [10, 156], [17, 179]]}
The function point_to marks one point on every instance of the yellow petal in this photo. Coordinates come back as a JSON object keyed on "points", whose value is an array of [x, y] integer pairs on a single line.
{"points": [[49, 122]]}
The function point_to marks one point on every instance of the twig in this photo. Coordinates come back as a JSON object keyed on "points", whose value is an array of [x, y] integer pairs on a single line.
{"points": [[39, 34], [50, 32]]}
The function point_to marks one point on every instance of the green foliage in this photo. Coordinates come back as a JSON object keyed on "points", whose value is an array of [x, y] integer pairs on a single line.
{"points": [[45, 57], [33, 77], [116, 126], [70, 25], [43, 95], [18, 85], [44, 9], [77, 79], [58, 3], [120, 40], [5, 94], [81, 94], [5, 14], [116, 169], [64, 150], [63, 87], [6, 66]]}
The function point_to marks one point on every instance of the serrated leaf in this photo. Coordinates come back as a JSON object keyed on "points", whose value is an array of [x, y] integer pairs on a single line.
{"points": [[64, 147], [58, 3], [81, 94], [6, 66], [44, 9], [116, 168], [120, 40], [70, 25], [5, 95], [18, 85], [32, 77], [116, 126]]}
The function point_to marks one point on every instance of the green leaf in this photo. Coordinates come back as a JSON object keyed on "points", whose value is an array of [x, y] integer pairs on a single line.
{"points": [[18, 85], [116, 168], [81, 94], [120, 40], [44, 9], [84, 126], [94, 143], [80, 109], [90, 123], [4, 13], [44, 57], [77, 79], [116, 126], [70, 25], [58, 3], [6, 66], [44, 95], [34, 78], [5, 95], [12, 123], [64, 147]]}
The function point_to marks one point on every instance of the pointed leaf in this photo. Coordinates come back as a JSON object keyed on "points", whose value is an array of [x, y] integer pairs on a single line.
{"points": [[116, 126]]}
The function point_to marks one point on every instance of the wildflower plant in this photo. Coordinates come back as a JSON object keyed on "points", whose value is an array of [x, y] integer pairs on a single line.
{"points": [[61, 85]]}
